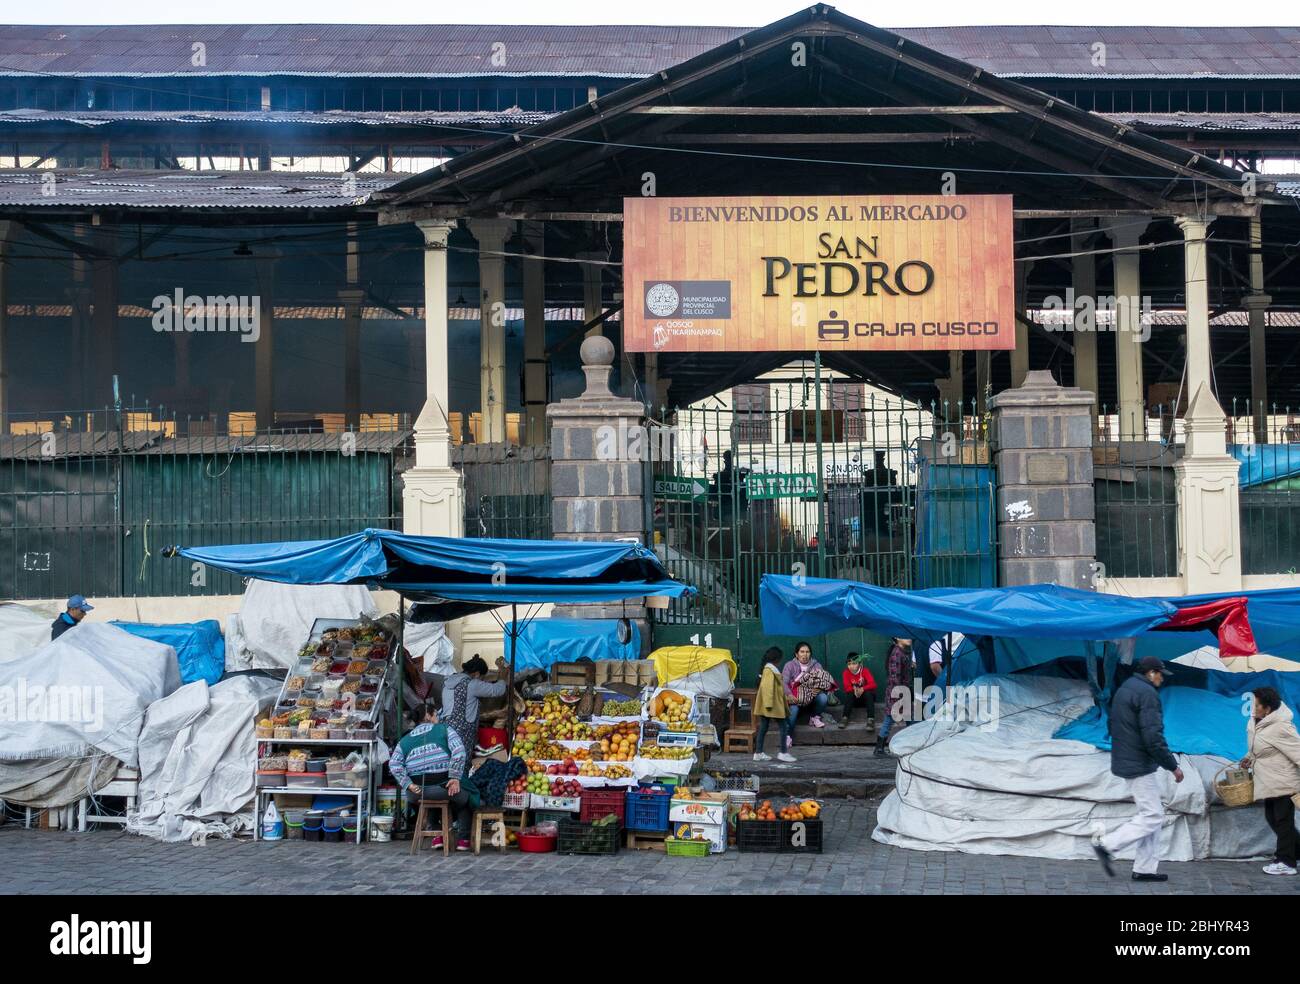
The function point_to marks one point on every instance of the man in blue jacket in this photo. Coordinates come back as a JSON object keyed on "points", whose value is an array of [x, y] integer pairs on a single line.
{"points": [[74, 613], [1137, 752]]}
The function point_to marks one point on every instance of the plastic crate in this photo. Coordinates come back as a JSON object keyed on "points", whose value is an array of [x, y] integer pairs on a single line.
{"points": [[515, 801], [551, 816], [686, 848], [588, 838], [597, 803], [647, 811], [812, 837], [740, 781], [760, 836]]}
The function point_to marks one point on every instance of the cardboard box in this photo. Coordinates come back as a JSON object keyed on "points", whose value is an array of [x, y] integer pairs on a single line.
{"points": [[710, 808], [714, 833]]}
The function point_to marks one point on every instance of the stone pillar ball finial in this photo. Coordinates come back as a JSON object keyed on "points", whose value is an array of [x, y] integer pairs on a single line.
{"points": [[597, 351]]}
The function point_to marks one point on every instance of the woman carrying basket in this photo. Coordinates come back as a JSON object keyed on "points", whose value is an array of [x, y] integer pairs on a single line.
{"points": [[1274, 758]]}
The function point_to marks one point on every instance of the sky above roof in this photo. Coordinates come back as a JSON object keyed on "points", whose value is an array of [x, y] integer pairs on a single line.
{"points": [[720, 12]]}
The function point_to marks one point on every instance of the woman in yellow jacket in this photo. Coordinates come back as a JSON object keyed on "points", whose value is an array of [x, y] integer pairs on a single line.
{"points": [[1274, 758], [770, 704]]}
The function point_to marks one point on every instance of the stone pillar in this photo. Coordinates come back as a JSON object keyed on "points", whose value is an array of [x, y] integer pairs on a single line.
{"points": [[1257, 303], [352, 299], [1085, 309], [492, 235], [597, 480], [535, 375], [103, 319], [1045, 503], [1195, 269], [1020, 354], [434, 494], [1209, 511], [264, 347], [1130, 333]]}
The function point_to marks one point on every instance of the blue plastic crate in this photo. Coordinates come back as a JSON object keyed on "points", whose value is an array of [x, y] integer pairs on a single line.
{"points": [[646, 811]]}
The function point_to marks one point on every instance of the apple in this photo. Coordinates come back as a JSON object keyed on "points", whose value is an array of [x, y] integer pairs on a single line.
{"points": [[552, 770]]}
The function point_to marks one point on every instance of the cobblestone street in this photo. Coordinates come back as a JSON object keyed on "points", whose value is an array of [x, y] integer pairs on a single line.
{"points": [[108, 862]]}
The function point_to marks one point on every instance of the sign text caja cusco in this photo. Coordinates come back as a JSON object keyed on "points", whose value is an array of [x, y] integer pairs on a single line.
{"points": [[829, 273]]}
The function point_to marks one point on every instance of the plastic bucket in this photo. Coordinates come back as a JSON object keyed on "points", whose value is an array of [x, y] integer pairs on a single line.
{"points": [[293, 831], [381, 829], [386, 801], [312, 830]]}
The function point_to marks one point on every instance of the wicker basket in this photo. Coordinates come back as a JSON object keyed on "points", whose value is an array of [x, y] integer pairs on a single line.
{"points": [[1235, 790]]}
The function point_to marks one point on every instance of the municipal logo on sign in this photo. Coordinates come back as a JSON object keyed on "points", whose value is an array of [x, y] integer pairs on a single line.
{"points": [[781, 486], [680, 488], [662, 300], [688, 300]]}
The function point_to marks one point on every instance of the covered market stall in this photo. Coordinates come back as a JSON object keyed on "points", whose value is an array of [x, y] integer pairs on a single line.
{"points": [[620, 765], [1011, 758]]}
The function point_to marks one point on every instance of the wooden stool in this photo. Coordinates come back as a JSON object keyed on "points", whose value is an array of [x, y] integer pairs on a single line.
{"points": [[742, 728], [429, 806], [493, 815], [739, 739]]}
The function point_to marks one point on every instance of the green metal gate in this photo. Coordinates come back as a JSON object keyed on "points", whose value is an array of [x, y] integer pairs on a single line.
{"points": [[817, 475]]}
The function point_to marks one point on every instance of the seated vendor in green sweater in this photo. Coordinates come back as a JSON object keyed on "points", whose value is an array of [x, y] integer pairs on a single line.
{"points": [[431, 763]]}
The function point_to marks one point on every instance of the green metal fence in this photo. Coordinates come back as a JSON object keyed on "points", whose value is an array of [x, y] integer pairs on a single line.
{"points": [[89, 500], [1136, 492], [1268, 446], [507, 490], [833, 480]]}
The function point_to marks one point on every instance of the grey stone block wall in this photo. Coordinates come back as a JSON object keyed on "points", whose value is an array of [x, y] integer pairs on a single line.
{"points": [[1046, 503], [597, 476]]}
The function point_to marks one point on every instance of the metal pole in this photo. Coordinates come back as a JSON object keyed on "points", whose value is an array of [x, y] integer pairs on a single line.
{"points": [[510, 677], [820, 481]]}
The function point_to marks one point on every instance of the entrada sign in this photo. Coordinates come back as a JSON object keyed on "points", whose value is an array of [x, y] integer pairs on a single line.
{"points": [[828, 273], [759, 485]]}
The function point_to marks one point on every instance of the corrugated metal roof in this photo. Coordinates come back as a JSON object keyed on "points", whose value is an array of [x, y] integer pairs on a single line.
{"points": [[1202, 121], [188, 189], [488, 119], [613, 51], [74, 444]]}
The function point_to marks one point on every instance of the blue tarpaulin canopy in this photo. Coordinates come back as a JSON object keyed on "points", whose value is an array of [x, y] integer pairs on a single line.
{"points": [[814, 606], [546, 641], [465, 575]]}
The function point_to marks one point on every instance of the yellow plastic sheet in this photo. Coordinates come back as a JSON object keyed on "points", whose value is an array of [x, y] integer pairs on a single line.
{"points": [[674, 662]]}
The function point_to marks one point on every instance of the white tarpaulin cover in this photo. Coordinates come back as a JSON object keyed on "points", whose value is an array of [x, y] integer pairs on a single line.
{"points": [[86, 691], [1008, 787], [21, 631], [197, 756], [274, 620], [428, 641]]}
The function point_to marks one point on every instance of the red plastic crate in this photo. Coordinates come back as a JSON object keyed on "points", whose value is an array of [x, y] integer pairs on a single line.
{"points": [[597, 803]]}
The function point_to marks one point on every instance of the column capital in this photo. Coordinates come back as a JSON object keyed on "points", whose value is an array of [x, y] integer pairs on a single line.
{"points": [[435, 231], [1194, 226], [1255, 302], [1125, 230], [491, 233]]}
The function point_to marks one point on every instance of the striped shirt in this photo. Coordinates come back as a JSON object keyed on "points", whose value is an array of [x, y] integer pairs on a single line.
{"points": [[430, 749]]}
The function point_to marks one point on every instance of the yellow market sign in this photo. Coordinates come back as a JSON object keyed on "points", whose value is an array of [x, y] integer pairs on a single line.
{"points": [[825, 273], [781, 486]]}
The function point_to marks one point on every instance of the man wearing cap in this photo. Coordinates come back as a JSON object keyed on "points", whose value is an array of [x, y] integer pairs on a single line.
{"points": [[76, 611], [1137, 751]]}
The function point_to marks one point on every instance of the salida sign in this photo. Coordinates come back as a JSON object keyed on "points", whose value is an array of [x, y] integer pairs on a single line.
{"points": [[828, 273]]}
